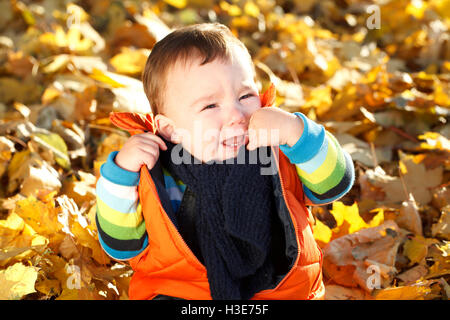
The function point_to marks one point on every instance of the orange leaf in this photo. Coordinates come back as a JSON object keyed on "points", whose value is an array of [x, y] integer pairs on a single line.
{"points": [[133, 122], [268, 97]]}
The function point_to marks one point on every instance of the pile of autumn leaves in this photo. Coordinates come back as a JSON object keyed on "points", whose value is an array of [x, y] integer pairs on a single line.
{"points": [[387, 239]]}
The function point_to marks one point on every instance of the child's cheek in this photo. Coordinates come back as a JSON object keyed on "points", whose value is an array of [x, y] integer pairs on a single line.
{"points": [[253, 107]]}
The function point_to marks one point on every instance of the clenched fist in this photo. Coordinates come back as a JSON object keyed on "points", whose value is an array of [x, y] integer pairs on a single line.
{"points": [[271, 126], [140, 149]]}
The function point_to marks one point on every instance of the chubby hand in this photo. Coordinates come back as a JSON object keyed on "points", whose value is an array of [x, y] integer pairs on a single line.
{"points": [[140, 149], [272, 126]]}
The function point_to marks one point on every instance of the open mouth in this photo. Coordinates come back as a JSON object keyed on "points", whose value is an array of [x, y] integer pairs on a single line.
{"points": [[236, 141]]}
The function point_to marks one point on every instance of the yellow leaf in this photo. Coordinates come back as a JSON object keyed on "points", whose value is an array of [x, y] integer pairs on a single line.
{"points": [[320, 98], [434, 141], [71, 40], [100, 76], [441, 94], [17, 240], [347, 217], [17, 281], [377, 219], [349, 221], [17, 160], [251, 9], [416, 9], [42, 217], [69, 294], [130, 61], [442, 7], [56, 145], [180, 4], [413, 292], [232, 9], [49, 287], [86, 238], [50, 94], [416, 249], [322, 233]]}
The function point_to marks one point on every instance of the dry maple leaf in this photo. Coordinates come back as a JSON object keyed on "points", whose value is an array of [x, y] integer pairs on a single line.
{"points": [[17, 281], [347, 259]]}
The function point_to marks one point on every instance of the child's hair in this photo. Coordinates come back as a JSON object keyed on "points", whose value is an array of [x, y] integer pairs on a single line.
{"points": [[206, 40]]}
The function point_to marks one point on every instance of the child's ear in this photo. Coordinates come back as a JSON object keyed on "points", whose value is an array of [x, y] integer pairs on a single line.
{"points": [[166, 128]]}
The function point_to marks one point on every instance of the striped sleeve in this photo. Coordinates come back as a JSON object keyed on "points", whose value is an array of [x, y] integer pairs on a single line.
{"points": [[120, 224], [175, 189], [325, 169]]}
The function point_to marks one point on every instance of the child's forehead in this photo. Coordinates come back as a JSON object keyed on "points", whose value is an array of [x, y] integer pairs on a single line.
{"points": [[194, 58], [195, 75]]}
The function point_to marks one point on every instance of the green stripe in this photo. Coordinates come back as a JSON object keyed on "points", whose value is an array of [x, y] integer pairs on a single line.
{"points": [[334, 178], [119, 232]]}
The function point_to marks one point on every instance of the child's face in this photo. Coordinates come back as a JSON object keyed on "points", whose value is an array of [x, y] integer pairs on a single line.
{"points": [[209, 106]]}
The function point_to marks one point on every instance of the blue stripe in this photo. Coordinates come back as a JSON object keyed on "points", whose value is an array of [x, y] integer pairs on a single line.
{"points": [[111, 171], [174, 193], [175, 204], [119, 204], [122, 255], [309, 143], [313, 164], [170, 182]]}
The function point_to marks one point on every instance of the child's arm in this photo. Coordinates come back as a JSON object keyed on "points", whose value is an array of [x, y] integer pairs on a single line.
{"points": [[325, 169], [121, 227]]}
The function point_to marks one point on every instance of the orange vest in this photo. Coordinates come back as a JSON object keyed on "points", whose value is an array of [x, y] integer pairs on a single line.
{"points": [[168, 266]]}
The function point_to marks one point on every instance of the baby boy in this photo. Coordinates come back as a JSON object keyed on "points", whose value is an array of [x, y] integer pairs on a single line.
{"points": [[210, 228]]}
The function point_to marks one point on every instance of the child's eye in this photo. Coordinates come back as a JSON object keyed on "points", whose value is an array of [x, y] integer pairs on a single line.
{"points": [[209, 106], [249, 95]]}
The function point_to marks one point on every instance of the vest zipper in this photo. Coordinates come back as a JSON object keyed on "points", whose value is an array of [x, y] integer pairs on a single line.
{"points": [[188, 250], [294, 224]]}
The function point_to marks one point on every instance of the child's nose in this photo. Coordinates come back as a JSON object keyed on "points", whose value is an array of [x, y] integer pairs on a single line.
{"points": [[235, 115]]}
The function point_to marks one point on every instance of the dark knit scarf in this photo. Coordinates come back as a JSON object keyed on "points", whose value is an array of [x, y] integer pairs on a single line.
{"points": [[234, 206]]}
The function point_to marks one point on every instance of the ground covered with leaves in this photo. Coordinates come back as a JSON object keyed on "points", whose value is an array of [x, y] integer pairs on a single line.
{"points": [[374, 73]]}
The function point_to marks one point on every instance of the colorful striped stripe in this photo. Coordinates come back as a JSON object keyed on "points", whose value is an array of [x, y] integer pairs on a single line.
{"points": [[114, 199], [121, 254], [326, 168], [175, 189], [120, 225], [334, 175], [119, 218], [312, 165], [121, 232], [339, 190], [326, 173]]}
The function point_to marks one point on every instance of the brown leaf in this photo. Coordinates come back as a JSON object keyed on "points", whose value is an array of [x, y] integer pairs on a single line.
{"points": [[335, 292], [372, 246], [441, 229], [412, 275], [409, 217]]}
